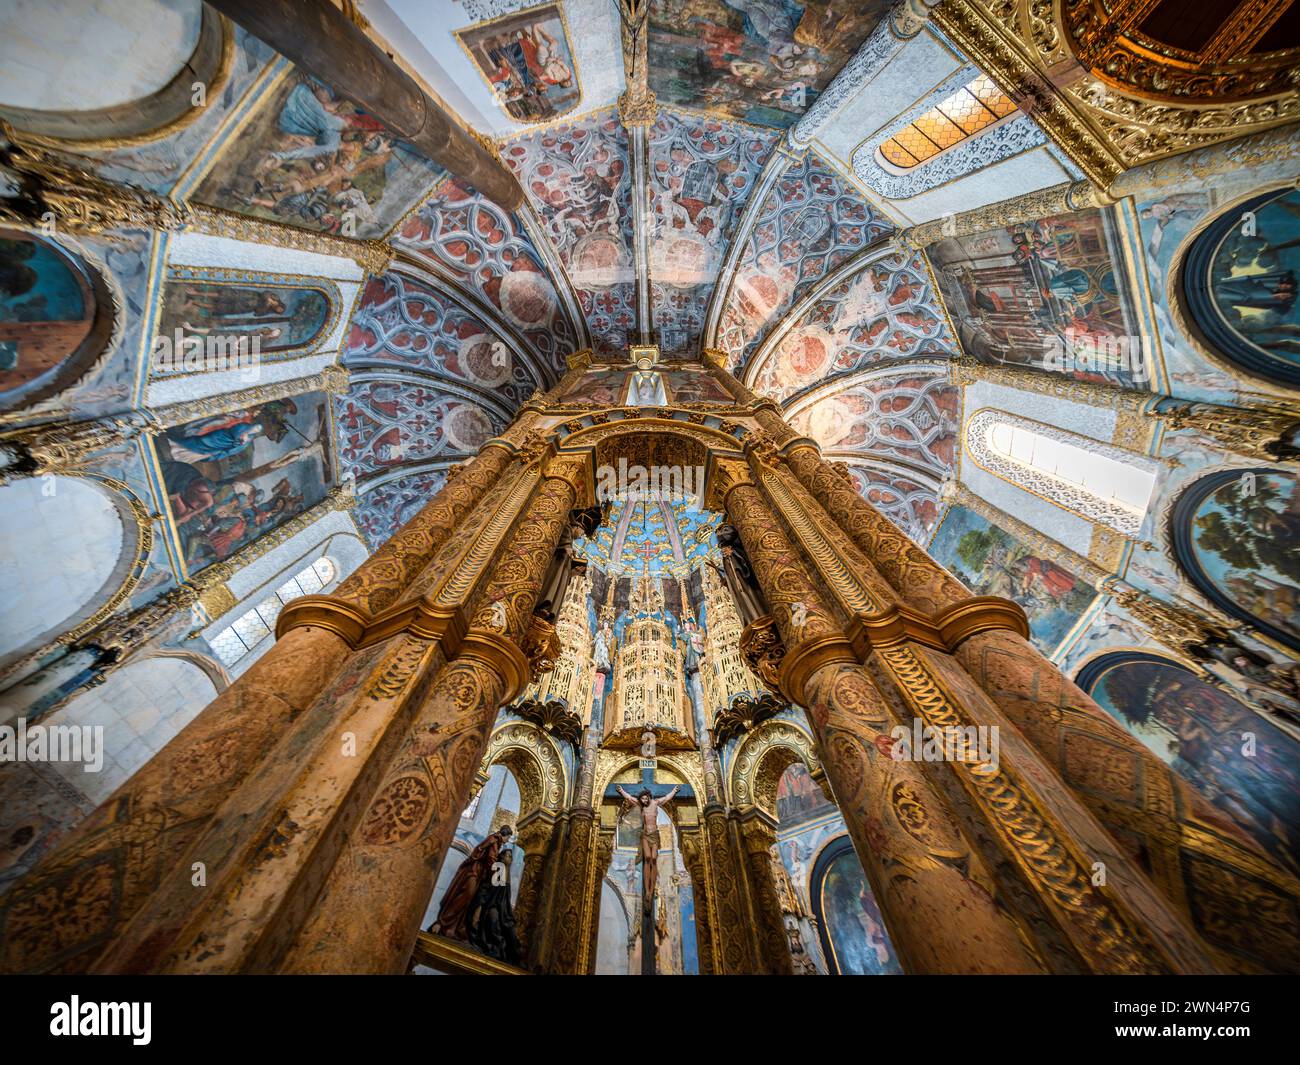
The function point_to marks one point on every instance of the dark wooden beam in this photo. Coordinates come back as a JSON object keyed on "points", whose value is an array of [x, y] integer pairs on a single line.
{"points": [[323, 41]]}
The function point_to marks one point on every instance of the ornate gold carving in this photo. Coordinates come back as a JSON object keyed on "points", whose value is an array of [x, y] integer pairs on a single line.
{"points": [[744, 714], [458, 959], [1104, 126], [1103, 932], [535, 762], [1252, 432], [1113, 48], [763, 649], [553, 717], [1042, 203], [541, 646], [760, 759], [637, 105]]}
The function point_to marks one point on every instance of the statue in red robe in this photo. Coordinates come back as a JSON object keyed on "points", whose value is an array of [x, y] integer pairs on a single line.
{"points": [[476, 870]]}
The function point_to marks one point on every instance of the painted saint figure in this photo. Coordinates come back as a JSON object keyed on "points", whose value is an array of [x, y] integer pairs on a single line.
{"points": [[476, 870]]}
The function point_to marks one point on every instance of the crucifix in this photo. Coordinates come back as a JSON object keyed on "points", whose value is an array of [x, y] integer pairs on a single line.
{"points": [[647, 803]]}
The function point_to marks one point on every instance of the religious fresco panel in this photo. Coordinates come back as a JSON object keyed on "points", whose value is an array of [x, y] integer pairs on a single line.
{"points": [[888, 310], [578, 177], [1046, 292], [402, 321], [1239, 282], [1236, 534], [701, 172], [811, 221], [1246, 767], [232, 478], [310, 158], [527, 61], [271, 316], [763, 61], [993, 562], [854, 941]]}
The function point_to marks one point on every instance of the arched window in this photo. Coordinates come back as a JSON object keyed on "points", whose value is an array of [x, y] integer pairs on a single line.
{"points": [[1096, 481], [968, 111], [253, 626]]}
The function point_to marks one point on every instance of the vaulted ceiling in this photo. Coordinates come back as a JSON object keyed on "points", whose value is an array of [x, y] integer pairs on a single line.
{"points": [[777, 254]]}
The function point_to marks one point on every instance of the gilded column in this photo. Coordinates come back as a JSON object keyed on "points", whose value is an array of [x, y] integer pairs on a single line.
{"points": [[533, 835], [734, 950], [1146, 807], [937, 898], [694, 854], [757, 836], [388, 865], [1006, 812]]}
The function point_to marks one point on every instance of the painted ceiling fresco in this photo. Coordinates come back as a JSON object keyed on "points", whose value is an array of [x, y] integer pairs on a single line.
{"points": [[886, 311], [909, 418], [579, 179], [386, 423], [778, 258], [764, 61], [810, 222], [473, 242], [701, 172], [402, 321]]}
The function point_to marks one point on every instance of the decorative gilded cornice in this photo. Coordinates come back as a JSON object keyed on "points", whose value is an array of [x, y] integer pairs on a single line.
{"points": [[458, 959], [553, 717], [1041, 203], [745, 714], [1103, 125]]}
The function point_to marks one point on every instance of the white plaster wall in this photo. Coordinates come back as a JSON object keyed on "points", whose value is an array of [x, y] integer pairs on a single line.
{"points": [[1021, 174], [140, 708], [919, 68], [611, 938], [61, 540], [333, 535], [198, 249], [1098, 423], [81, 55]]}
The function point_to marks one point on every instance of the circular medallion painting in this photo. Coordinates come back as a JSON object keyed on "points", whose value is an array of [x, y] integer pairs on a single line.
{"points": [[1237, 535], [1239, 283], [485, 360], [467, 427], [527, 298]]}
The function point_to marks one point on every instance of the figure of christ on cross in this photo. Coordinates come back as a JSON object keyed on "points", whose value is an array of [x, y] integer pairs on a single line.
{"points": [[649, 856], [648, 802]]}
